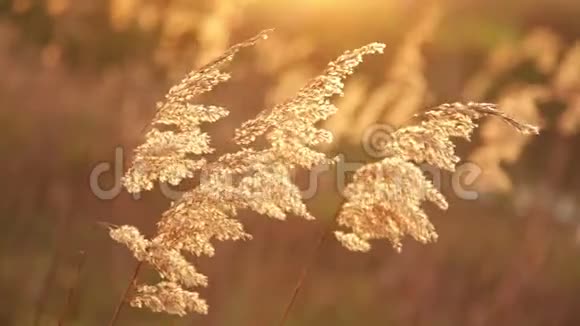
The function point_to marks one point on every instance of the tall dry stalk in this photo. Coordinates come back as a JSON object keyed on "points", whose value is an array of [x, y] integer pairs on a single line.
{"points": [[304, 274], [383, 201], [126, 294]]}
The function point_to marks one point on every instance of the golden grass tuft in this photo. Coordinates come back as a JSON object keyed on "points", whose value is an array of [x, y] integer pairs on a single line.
{"points": [[383, 201]]}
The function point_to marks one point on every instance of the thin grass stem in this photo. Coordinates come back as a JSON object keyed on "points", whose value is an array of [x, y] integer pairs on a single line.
{"points": [[73, 289], [126, 294]]}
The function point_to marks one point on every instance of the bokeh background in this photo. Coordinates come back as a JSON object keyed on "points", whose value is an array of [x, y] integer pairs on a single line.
{"points": [[79, 78]]}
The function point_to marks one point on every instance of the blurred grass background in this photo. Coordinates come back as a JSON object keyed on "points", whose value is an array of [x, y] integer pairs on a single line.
{"points": [[76, 81]]}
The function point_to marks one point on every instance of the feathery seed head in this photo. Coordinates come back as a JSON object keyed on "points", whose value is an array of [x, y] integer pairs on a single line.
{"points": [[259, 180], [167, 155], [384, 199]]}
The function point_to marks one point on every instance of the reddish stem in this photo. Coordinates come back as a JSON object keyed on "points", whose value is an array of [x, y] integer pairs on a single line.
{"points": [[305, 270], [126, 294]]}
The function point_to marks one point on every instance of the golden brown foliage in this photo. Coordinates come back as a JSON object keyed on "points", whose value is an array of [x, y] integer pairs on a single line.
{"points": [[499, 144], [542, 48], [255, 179], [382, 202], [178, 20], [403, 92], [166, 154]]}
